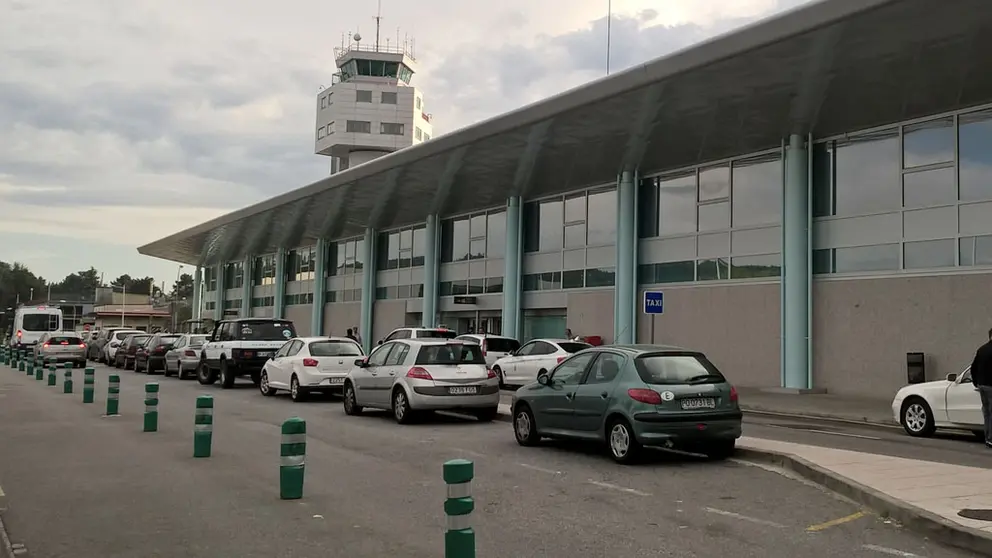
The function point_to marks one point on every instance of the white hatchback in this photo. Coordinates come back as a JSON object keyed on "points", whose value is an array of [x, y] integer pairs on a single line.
{"points": [[305, 365], [536, 357]]}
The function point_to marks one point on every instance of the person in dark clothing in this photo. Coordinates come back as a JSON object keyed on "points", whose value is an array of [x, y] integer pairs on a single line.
{"points": [[351, 335], [981, 377]]}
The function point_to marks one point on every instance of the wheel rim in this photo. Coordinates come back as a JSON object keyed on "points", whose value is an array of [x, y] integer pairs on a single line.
{"points": [[619, 440], [349, 399], [523, 425], [294, 388], [915, 417], [399, 405], [263, 384]]}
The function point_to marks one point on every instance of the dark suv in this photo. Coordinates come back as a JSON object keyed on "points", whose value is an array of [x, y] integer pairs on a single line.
{"points": [[240, 348]]}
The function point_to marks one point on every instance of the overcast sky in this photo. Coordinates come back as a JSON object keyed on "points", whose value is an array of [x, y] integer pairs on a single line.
{"points": [[124, 121]]}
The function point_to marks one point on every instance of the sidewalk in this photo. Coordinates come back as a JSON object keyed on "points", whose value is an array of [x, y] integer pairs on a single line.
{"points": [[829, 406], [921, 495]]}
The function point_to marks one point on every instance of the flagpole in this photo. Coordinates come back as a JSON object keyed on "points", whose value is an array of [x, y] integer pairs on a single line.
{"points": [[609, 25]]}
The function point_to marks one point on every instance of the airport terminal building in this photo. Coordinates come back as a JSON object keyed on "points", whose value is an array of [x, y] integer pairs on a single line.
{"points": [[812, 195]]}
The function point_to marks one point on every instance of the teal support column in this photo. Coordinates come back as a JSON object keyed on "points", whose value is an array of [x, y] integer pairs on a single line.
{"points": [[368, 289], [279, 298], [625, 290], [220, 293], [431, 266], [319, 278], [246, 290], [796, 277], [197, 293], [513, 257]]}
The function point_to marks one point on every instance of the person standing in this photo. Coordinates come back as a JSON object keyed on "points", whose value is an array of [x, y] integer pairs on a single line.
{"points": [[981, 377], [351, 335], [358, 336]]}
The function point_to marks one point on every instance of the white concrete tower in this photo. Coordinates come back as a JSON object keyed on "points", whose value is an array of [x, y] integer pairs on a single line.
{"points": [[370, 109]]}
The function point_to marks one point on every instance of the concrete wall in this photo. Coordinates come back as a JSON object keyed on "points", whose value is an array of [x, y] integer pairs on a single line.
{"points": [[339, 316], [387, 316], [591, 313], [862, 329], [737, 326], [262, 312], [299, 314]]}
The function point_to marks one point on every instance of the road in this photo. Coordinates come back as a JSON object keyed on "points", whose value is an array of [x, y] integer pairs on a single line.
{"points": [[84, 486]]}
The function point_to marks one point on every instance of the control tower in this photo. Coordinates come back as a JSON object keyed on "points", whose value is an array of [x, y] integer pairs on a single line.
{"points": [[370, 109]]}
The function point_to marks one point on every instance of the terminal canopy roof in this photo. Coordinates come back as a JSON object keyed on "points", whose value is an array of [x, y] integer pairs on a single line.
{"points": [[831, 67]]}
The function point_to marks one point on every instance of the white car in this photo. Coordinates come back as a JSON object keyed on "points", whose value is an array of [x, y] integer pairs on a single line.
{"points": [[494, 347], [309, 364], [419, 333], [950, 403], [534, 358], [115, 342], [410, 376]]}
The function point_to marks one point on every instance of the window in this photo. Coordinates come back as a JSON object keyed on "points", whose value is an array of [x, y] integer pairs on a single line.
{"points": [[362, 96], [573, 279], [388, 98], [398, 354], [419, 246], [928, 143], [320, 133], [323, 102], [757, 198], [264, 331], [418, 133], [975, 157], [928, 254], [600, 277], [335, 349], [496, 235], [574, 234], [929, 187], [459, 240], [714, 216], [494, 285], [669, 272], [263, 271], [426, 137], [749, 267], [401, 249], [453, 354], [39, 322], [391, 128], [601, 219], [714, 183], [571, 371], [715, 269], [975, 250], [677, 204], [675, 369], [418, 103], [234, 275], [866, 173], [605, 369], [882, 257], [550, 223], [358, 127]]}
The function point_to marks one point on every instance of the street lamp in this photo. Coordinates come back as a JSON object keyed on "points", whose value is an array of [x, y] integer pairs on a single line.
{"points": [[175, 296], [123, 288]]}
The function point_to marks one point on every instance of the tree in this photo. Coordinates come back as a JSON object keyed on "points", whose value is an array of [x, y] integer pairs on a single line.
{"points": [[83, 283], [183, 288], [16, 285], [144, 286]]}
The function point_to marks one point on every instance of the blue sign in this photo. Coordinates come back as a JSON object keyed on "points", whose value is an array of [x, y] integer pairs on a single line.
{"points": [[654, 302]]}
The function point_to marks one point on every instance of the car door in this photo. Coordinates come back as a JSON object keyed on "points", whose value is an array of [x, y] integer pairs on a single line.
{"points": [[292, 360], [392, 368], [539, 359], [274, 367], [964, 404], [512, 372], [595, 392], [368, 392], [554, 402], [172, 355]]}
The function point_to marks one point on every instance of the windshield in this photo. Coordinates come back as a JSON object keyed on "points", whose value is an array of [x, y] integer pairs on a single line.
{"points": [[65, 340], [197, 341], [123, 335], [139, 339], [335, 348], [167, 339], [40, 322], [501, 344], [573, 347], [451, 354], [670, 369], [266, 331], [436, 334]]}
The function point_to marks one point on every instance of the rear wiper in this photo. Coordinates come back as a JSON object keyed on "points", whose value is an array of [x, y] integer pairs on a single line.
{"points": [[701, 378]]}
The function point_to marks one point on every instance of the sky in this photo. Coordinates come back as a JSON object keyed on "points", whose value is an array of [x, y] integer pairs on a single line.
{"points": [[124, 121]]}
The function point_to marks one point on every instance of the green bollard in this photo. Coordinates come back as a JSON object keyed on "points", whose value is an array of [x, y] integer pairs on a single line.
{"points": [[203, 426], [459, 536], [89, 384], [292, 460], [113, 395], [29, 368], [39, 369], [21, 362], [151, 407], [52, 369], [67, 382]]}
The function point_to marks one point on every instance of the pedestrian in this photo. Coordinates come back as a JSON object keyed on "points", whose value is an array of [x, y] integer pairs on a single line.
{"points": [[981, 377], [357, 336], [351, 335], [568, 333]]}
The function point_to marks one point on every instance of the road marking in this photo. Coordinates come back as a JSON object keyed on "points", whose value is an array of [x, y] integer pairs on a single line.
{"points": [[541, 469], [1, 492], [849, 435], [889, 551], [835, 522], [618, 488], [741, 517], [470, 452]]}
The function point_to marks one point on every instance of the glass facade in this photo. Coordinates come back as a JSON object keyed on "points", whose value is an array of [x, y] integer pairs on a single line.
{"points": [[301, 264], [474, 237], [400, 249], [234, 275], [399, 292], [344, 257], [573, 221], [264, 271], [210, 279]]}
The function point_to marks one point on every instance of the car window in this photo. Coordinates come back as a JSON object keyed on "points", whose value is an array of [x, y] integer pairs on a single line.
{"points": [[295, 348], [527, 348], [573, 347], [284, 349], [604, 369], [453, 353], [570, 372], [36, 322], [264, 331], [543, 348], [501, 344], [64, 340], [398, 354], [436, 334], [197, 341], [966, 376], [167, 339], [378, 356], [335, 348], [138, 340], [677, 368], [180, 343]]}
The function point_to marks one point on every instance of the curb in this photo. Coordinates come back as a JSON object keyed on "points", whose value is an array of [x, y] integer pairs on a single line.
{"points": [[820, 417], [911, 517]]}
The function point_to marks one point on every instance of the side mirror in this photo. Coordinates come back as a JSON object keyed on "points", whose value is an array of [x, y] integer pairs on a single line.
{"points": [[544, 379], [379, 342], [361, 363], [952, 377]]}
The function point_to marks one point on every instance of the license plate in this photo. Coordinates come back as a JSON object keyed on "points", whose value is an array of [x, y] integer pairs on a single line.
{"points": [[700, 403], [265, 353], [464, 390], [335, 381]]}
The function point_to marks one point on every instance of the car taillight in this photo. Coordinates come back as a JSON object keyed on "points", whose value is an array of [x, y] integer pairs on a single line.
{"points": [[312, 362], [733, 394], [419, 373], [82, 345], [190, 353], [45, 346], [490, 373], [19, 333], [560, 359], [649, 396], [484, 349]]}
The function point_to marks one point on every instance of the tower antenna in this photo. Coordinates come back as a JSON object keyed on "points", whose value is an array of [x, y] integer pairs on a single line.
{"points": [[378, 25]]}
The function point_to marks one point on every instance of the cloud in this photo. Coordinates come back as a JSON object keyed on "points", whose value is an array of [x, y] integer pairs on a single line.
{"points": [[125, 121]]}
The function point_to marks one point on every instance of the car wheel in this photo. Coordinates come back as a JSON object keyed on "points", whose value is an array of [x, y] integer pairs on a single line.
{"points": [[351, 406], [401, 407], [296, 393], [263, 385], [499, 375], [227, 376], [624, 447], [183, 375], [722, 449], [917, 417], [524, 426], [205, 375], [488, 414]]}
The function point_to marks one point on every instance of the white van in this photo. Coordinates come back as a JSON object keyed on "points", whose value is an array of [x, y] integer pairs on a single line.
{"points": [[31, 322]]}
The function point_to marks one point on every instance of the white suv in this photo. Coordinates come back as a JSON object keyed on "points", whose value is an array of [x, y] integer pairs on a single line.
{"points": [[241, 347]]}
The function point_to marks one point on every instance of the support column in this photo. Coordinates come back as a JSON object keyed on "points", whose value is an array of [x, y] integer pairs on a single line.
{"points": [[279, 298], [246, 286], [512, 259], [319, 288], [796, 278], [220, 294], [429, 312], [197, 292], [368, 289], [625, 290]]}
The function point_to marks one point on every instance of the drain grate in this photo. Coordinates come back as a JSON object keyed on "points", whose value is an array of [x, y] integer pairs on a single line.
{"points": [[978, 515]]}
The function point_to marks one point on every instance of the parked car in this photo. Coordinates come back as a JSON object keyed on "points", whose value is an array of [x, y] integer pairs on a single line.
{"points": [[411, 376], [631, 397], [63, 346], [113, 343], [241, 347], [184, 356], [126, 353], [949, 403], [310, 364], [419, 333], [151, 357], [534, 358], [494, 347], [96, 350]]}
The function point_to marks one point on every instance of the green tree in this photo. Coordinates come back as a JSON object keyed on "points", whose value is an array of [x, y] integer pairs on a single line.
{"points": [[183, 288], [16, 285], [81, 283]]}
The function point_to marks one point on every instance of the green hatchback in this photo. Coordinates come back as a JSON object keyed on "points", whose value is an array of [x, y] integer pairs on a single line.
{"points": [[632, 396]]}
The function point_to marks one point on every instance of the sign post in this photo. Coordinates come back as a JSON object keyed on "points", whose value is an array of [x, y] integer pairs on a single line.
{"points": [[654, 303]]}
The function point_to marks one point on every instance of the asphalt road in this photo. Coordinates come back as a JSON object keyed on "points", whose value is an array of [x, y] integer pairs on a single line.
{"points": [[83, 486]]}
